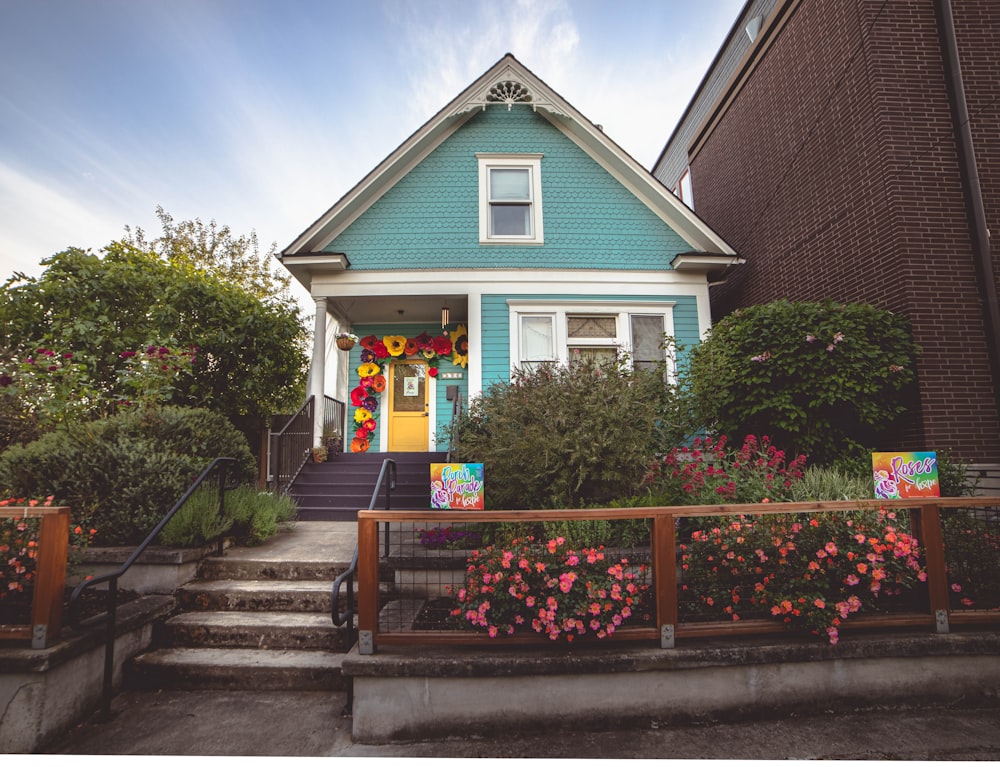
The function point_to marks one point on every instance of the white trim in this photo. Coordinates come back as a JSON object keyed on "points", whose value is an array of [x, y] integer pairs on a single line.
{"points": [[533, 164], [559, 310]]}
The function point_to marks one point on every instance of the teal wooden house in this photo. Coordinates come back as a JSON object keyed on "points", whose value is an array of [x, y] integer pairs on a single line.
{"points": [[507, 231]]}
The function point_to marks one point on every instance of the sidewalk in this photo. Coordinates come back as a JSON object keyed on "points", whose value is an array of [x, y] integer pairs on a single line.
{"points": [[312, 724]]}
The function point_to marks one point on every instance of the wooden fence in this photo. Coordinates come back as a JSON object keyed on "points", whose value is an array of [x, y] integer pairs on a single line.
{"points": [[925, 525]]}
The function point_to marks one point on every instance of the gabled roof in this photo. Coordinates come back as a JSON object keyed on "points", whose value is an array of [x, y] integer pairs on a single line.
{"points": [[507, 82]]}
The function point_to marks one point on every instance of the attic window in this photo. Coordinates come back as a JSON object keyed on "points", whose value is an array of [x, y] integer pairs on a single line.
{"points": [[510, 199], [509, 93]]}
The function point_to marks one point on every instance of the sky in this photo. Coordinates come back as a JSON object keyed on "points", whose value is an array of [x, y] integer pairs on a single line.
{"points": [[261, 114]]}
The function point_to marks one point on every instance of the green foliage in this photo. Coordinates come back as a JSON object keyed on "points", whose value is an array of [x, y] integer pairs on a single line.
{"points": [[249, 515], [251, 358], [122, 474], [820, 378], [589, 533], [562, 437]]}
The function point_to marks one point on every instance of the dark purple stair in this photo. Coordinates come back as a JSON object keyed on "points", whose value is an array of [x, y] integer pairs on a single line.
{"points": [[335, 490]]}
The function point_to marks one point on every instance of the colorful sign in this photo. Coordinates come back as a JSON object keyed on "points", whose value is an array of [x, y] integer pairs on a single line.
{"points": [[906, 475], [457, 486]]}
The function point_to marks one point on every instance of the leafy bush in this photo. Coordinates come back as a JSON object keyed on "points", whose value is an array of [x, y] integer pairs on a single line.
{"points": [[121, 474], [249, 515], [820, 378], [562, 437]]}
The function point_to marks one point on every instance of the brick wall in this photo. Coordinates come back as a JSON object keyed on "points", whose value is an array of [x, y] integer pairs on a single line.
{"points": [[835, 174]]}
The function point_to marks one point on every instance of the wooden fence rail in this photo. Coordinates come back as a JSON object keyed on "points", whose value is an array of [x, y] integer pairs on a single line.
{"points": [[925, 526], [50, 574]]}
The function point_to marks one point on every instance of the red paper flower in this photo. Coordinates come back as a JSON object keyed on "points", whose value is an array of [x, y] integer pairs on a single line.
{"points": [[370, 424], [442, 346], [410, 347], [423, 341], [432, 372], [361, 433], [368, 342], [381, 350], [358, 394]]}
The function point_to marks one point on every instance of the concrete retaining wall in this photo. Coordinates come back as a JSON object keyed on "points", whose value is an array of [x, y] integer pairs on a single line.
{"points": [[44, 692], [402, 694]]}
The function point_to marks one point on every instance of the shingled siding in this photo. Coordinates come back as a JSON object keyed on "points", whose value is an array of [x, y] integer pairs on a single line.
{"points": [[834, 172], [430, 218], [496, 326]]}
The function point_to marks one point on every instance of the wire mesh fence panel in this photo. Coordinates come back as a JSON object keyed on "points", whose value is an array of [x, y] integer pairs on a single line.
{"points": [[811, 569], [972, 557], [581, 577]]}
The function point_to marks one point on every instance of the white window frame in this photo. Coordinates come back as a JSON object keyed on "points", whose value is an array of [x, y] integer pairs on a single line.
{"points": [[563, 345], [533, 164]]}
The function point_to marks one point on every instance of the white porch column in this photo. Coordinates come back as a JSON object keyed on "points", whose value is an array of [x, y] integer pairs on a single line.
{"points": [[317, 370]]}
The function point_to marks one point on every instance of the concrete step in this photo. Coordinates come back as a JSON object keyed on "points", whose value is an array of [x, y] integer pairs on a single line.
{"points": [[254, 630], [257, 595], [236, 669], [228, 568]]}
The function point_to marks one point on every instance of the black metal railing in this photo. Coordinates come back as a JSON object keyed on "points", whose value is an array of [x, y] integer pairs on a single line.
{"points": [[334, 413], [345, 617], [110, 616], [290, 447]]}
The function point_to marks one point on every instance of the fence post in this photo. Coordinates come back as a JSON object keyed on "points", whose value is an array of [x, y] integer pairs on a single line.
{"points": [[664, 551], [50, 577], [367, 585], [929, 533]]}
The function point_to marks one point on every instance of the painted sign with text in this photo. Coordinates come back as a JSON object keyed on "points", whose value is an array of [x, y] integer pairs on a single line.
{"points": [[457, 486], [906, 475]]}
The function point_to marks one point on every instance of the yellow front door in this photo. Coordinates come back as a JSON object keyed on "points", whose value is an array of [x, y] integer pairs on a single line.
{"points": [[408, 414]]}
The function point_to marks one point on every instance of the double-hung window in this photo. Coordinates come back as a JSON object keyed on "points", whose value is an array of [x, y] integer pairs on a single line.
{"points": [[510, 199]]}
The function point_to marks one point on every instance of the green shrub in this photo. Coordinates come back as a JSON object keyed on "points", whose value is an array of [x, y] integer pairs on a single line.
{"points": [[819, 378], [122, 474], [563, 437], [249, 515]]}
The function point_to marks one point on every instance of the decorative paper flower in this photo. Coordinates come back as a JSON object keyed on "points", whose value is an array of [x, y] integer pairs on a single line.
{"points": [[368, 342], [361, 415], [367, 355], [442, 345], [368, 369], [432, 372], [358, 395], [381, 352], [370, 403], [460, 340], [411, 347], [461, 360], [423, 341], [361, 433], [359, 445], [370, 424], [378, 383], [366, 382], [429, 353], [395, 344]]}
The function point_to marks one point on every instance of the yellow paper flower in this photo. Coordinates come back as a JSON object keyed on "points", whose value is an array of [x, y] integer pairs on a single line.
{"points": [[460, 359], [368, 369], [395, 344], [460, 346], [361, 415]]}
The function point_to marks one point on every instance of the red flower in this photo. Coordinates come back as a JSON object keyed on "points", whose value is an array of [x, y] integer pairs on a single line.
{"points": [[370, 424], [410, 347], [381, 350], [432, 372], [361, 433], [358, 393], [442, 346], [368, 342], [423, 341]]}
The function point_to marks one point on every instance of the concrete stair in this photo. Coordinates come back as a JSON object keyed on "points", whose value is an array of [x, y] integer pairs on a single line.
{"points": [[256, 619], [335, 490]]}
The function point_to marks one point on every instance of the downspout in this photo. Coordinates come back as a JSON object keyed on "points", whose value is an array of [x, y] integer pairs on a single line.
{"points": [[975, 210]]}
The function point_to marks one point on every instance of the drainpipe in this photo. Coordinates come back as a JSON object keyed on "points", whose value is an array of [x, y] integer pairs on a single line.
{"points": [[975, 210]]}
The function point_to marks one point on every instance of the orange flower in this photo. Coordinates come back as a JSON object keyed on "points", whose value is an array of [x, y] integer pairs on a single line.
{"points": [[411, 347], [359, 445], [378, 383]]}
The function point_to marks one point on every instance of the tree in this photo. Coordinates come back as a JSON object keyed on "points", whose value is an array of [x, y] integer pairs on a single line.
{"points": [[211, 248], [250, 352]]}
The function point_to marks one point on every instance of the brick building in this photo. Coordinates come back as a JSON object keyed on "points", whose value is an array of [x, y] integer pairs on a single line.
{"points": [[850, 149]]}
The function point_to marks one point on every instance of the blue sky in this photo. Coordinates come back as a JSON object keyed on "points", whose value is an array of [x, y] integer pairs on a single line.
{"points": [[260, 114]]}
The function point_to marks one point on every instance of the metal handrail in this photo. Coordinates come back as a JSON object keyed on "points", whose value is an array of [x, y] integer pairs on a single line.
{"points": [[290, 447], [387, 472], [334, 415], [110, 616]]}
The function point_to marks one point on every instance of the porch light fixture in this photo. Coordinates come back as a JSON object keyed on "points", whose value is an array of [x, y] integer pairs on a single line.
{"points": [[445, 316]]}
